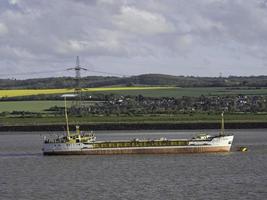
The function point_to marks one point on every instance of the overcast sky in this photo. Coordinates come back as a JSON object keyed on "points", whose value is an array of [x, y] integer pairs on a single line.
{"points": [[177, 37]]}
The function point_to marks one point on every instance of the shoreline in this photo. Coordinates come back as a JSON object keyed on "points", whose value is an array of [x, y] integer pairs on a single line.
{"points": [[136, 126]]}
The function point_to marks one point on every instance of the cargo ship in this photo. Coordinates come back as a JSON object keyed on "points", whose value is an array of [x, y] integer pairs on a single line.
{"points": [[82, 143]]}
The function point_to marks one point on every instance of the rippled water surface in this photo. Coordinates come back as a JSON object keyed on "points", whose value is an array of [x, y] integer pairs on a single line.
{"points": [[27, 174]]}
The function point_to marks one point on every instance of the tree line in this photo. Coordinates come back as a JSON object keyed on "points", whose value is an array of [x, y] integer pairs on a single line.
{"points": [[145, 79]]}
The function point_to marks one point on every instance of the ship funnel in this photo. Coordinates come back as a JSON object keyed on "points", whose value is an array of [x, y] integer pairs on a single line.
{"points": [[77, 129]]}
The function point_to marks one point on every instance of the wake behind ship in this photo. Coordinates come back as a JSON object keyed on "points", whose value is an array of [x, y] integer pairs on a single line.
{"points": [[85, 144]]}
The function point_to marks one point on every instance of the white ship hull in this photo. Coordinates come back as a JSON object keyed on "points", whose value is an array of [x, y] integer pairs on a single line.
{"points": [[216, 144]]}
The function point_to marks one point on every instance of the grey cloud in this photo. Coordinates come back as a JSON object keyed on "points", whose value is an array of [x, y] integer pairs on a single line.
{"points": [[179, 33]]}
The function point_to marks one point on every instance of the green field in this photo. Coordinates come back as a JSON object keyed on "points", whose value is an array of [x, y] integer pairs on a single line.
{"points": [[40, 106], [33, 106], [30, 106], [191, 92], [179, 118], [146, 91]]}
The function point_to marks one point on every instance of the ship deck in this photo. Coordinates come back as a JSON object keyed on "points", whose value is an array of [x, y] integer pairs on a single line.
{"points": [[139, 143]]}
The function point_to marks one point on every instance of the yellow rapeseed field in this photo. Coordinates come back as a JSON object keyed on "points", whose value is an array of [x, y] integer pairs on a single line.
{"points": [[28, 92]]}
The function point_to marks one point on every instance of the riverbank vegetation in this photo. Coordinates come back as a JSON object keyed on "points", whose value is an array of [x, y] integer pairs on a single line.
{"points": [[144, 119], [243, 99], [117, 109]]}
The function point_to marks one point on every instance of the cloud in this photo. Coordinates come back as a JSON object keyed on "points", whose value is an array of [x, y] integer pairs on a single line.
{"points": [[13, 2], [3, 29], [141, 21], [15, 52], [136, 36], [184, 41]]}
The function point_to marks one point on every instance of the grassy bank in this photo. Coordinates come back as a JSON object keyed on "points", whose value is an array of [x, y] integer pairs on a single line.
{"points": [[191, 92], [180, 118]]}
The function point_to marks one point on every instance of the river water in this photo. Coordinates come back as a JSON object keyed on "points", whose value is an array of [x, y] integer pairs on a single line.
{"points": [[26, 174]]}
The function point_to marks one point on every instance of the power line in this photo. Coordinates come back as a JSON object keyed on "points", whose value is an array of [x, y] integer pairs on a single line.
{"points": [[77, 69], [31, 73], [57, 71], [108, 73]]}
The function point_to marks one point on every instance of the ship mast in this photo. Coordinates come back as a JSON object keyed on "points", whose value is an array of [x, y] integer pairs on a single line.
{"points": [[66, 113], [222, 125], [66, 116]]}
